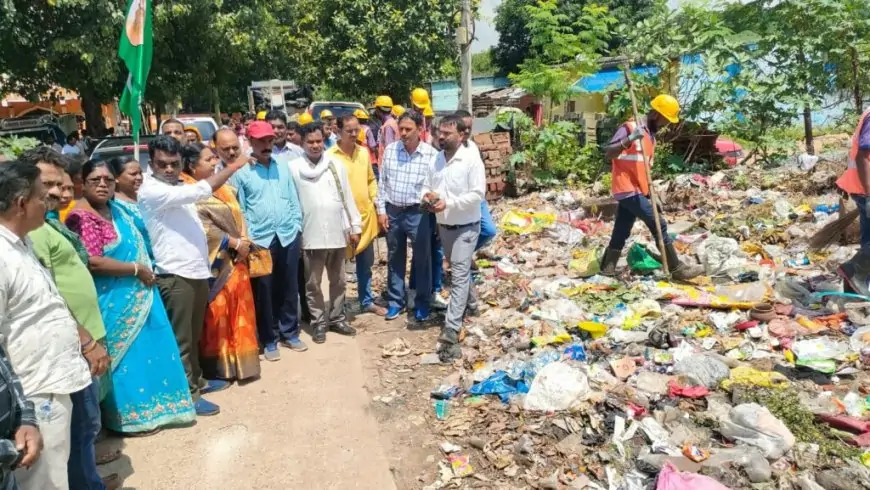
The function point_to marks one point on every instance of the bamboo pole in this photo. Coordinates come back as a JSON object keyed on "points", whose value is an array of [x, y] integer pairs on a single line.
{"points": [[646, 165]]}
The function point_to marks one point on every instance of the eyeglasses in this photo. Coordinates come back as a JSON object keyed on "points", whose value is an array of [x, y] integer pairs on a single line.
{"points": [[97, 180]]}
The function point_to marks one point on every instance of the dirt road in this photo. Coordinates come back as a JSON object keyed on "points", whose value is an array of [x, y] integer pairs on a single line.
{"points": [[306, 424]]}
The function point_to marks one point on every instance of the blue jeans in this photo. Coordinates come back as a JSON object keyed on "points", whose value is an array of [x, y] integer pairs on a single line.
{"points": [[487, 226], [437, 260], [364, 262], [84, 427], [276, 296], [863, 220], [631, 209], [405, 223]]}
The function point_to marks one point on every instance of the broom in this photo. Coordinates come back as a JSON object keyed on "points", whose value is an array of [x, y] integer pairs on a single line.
{"points": [[831, 232]]}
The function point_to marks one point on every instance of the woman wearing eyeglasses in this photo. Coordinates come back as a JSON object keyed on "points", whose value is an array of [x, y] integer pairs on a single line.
{"points": [[147, 387]]}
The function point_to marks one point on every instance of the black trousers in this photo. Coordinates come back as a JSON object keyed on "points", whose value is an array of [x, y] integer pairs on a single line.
{"points": [[186, 301]]}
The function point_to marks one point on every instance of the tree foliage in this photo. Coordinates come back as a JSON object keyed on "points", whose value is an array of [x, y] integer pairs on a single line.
{"points": [[515, 38], [206, 52], [373, 47], [561, 50], [753, 68]]}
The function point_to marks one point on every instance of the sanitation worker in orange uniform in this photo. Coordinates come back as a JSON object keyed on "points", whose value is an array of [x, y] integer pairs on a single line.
{"points": [[855, 181], [630, 185]]}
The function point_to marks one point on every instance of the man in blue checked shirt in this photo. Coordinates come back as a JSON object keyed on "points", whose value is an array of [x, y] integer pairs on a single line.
{"points": [[404, 166]]}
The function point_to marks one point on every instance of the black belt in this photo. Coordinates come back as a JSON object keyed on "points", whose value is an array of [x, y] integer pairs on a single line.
{"points": [[404, 208], [456, 227]]}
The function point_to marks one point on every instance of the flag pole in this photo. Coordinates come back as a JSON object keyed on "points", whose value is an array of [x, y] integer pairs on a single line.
{"points": [[139, 101]]}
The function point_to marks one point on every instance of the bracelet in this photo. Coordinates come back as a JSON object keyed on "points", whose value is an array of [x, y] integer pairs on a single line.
{"points": [[624, 144], [135, 269], [89, 346]]}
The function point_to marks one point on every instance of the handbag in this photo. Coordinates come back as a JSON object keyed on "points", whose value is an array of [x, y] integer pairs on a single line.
{"points": [[350, 253], [259, 261]]}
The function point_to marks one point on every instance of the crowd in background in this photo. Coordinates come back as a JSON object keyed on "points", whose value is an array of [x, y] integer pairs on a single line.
{"points": [[128, 293]]}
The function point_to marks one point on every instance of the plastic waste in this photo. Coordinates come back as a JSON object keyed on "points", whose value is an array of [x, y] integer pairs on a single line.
{"points": [[595, 329], [753, 292], [557, 387], [819, 348], [523, 223], [860, 339], [827, 366], [721, 257], [751, 376], [442, 409], [575, 352], [702, 370], [586, 263], [855, 404], [670, 478], [639, 260], [566, 234], [499, 383], [753, 424]]}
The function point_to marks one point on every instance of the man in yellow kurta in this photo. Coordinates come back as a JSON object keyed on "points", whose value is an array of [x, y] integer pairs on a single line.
{"points": [[364, 188]]}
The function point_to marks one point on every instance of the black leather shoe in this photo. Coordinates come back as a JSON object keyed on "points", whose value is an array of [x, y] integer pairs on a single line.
{"points": [[342, 328], [319, 336]]}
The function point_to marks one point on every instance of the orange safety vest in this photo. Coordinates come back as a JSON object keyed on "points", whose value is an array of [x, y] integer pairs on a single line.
{"points": [[629, 172], [382, 145], [362, 140], [850, 181]]}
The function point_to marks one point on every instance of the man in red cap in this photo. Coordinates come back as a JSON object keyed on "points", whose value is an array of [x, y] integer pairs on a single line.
{"points": [[270, 204]]}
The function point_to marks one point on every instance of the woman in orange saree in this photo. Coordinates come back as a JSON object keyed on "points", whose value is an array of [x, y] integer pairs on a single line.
{"points": [[228, 348]]}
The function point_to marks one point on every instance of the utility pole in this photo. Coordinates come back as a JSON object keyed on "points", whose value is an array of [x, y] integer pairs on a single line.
{"points": [[464, 36]]}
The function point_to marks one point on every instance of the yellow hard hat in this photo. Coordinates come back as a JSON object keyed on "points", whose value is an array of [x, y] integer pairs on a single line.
{"points": [[428, 112], [361, 114], [667, 106], [420, 98], [305, 118], [325, 114], [261, 116], [398, 110], [384, 101]]}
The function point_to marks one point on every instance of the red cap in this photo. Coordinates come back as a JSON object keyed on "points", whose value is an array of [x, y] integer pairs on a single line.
{"points": [[260, 129]]}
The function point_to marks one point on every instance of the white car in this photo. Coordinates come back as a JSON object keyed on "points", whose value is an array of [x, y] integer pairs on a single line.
{"points": [[205, 124]]}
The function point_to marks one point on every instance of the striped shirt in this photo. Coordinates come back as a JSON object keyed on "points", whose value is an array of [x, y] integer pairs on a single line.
{"points": [[402, 174]]}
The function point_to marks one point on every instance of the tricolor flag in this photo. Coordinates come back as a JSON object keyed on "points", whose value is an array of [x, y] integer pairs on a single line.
{"points": [[135, 49]]}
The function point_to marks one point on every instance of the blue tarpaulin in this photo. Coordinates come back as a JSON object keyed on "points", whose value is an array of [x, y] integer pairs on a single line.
{"points": [[611, 78]]}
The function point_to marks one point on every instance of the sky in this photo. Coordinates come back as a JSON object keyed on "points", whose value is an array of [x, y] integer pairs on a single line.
{"points": [[485, 34]]}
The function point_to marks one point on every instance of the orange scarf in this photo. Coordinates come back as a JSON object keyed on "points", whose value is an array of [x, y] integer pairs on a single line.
{"points": [[226, 195]]}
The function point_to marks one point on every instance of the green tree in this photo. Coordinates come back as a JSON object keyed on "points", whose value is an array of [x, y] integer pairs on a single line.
{"points": [[482, 64], [561, 51], [71, 44], [371, 47], [515, 39]]}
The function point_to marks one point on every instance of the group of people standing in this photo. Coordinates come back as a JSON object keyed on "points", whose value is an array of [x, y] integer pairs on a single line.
{"points": [[128, 293]]}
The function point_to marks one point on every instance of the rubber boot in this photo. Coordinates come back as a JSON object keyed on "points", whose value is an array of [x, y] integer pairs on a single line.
{"points": [[680, 271], [856, 273], [608, 262]]}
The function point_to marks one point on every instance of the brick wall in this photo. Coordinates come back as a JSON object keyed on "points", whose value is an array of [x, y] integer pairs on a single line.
{"points": [[495, 149]]}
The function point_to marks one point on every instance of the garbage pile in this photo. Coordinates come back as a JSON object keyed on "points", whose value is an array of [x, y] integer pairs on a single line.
{"points": [[753, 376]]}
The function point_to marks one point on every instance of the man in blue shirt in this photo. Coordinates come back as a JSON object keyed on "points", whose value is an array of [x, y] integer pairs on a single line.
{"points": [[269, 201]]}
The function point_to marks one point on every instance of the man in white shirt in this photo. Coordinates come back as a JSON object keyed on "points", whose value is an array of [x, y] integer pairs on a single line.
{"points": [[453, 189], [181, 254], [330, 222], [71, 147], [283, 132], [46, 346]]}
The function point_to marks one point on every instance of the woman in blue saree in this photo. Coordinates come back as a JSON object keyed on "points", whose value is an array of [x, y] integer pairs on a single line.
{"points": [[147, 387]]}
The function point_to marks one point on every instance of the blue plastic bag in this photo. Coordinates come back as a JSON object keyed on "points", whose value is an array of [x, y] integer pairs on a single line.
{"points": [[499, 383]]}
